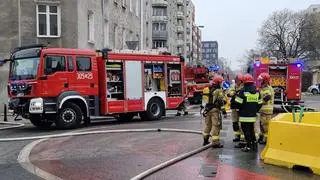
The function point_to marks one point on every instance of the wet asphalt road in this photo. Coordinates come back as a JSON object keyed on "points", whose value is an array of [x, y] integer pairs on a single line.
{"points": [[122, 156]]}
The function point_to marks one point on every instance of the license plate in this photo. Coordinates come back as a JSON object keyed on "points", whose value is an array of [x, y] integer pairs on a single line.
{"points": [[20, 94]]}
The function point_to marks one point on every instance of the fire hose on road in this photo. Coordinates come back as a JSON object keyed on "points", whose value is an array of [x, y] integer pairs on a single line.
{"points": [[24, 154]]}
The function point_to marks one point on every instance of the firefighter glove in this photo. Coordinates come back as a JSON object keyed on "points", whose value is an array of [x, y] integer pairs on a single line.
{"points": [[267, 98]]}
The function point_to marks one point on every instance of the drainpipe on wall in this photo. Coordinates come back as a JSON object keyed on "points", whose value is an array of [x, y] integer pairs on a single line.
{"points": [[102, 25], [141, 24], [19, 22]]}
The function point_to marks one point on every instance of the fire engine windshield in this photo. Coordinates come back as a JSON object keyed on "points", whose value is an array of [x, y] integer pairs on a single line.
{"points": [[24, 69]]}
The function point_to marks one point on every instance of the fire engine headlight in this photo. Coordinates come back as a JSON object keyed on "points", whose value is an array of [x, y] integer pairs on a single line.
{"points": [[36, 106]]}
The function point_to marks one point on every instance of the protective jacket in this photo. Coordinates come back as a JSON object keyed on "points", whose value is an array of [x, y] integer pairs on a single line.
{"points": [[267, 94], [213, 98], [233, 91], [249, 102]]}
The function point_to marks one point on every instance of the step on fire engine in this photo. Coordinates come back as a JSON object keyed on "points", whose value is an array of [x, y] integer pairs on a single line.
{"points": [[285, 79], [68, 86]]}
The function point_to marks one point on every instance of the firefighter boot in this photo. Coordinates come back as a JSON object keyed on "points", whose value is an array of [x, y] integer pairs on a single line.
{"points": [[205, 140], [255, 146], [240, 145], [218, 145], [250, 147], [186, 113], [178, 114], [263, 140], [236, 138], [260, 138]]}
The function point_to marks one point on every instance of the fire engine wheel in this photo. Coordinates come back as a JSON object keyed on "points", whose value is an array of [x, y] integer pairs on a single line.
{"points": [[125, 117], [155, 110], [38, 122], [314, 92], [69, 116]]}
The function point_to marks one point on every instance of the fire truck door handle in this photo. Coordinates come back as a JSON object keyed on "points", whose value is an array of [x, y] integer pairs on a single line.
{"points": [[66, 85], [92, 85]]}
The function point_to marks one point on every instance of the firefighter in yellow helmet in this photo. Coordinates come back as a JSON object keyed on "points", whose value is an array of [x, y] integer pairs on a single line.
{"points": [[266, 110], [213, 104], [233, 91]]}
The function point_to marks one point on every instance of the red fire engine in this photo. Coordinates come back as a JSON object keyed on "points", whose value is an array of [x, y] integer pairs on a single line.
{"points": [[197, 78], [68, 86], [285, 79]]}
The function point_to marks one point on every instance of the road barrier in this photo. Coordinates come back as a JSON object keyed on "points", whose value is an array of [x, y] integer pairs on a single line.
{"points": [[292, 143]]}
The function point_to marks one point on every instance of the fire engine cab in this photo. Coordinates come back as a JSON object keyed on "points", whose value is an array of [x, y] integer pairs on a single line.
{"points": [[68, 86], [285, 79]]}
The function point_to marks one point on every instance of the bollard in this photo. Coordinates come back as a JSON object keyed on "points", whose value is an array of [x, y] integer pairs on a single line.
{"points": [[5, 119]]}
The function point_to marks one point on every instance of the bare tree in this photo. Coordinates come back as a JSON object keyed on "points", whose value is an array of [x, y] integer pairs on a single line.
{"points": [[280, 35], [311, 36]]}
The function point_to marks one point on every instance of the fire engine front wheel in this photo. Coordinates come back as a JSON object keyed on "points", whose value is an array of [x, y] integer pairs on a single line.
{"points": [[155, 110], [69, 116]]}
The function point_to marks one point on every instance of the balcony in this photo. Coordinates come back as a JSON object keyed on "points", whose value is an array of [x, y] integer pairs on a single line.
{"points": [[159, 35], [159, 3], [180, 2], [180, 15], [159, 18]]}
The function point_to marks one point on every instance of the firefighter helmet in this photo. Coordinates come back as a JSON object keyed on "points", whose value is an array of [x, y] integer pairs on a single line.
{"points": [[217, 80], [248, 79], [264, 77], [239, 77]]}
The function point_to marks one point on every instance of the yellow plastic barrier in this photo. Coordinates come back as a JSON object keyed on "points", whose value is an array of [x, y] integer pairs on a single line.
{"points": [[294, 144]]}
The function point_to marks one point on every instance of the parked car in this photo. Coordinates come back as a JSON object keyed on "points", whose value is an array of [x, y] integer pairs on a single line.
{"points": [[314, 89]]}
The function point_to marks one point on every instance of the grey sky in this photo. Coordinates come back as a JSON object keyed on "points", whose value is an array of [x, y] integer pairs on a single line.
{"points": [[234, 23]]}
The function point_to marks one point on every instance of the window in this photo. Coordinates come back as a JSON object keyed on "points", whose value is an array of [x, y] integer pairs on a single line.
{"points": [[159, 11], [124, 38], [83, 64], [70, 64], [48, 21], [90, 26], [163, 26], [54, 64], [155, 26]]}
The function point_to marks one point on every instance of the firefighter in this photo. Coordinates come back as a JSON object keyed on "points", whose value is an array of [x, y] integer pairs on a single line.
{"points": [[213, 102], [234, 111], [183, 108], [249, 102], [266, 110]]}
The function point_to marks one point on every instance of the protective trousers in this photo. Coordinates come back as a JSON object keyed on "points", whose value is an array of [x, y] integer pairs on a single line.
{"points": [[213, 126], [236, 124], [264, 123], [248, 130]]}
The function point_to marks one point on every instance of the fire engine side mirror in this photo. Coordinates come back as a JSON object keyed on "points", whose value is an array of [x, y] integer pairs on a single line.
{"points": [[3, 61], [43, 77]]}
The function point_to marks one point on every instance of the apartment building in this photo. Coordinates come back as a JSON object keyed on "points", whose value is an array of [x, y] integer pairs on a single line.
{"points": [[210, 53], [172, 23], [90, 24], [196, 46]]}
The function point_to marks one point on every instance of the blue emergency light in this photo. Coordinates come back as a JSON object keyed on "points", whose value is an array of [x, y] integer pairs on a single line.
{"points": [[258, 63]]}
